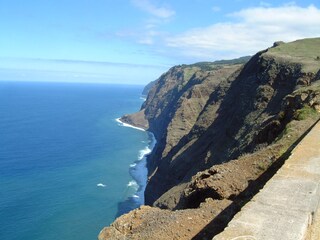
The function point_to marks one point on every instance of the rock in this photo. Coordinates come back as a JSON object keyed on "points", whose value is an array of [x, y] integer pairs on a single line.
{"points": [[278, 43], [222, 129], [136, 119], [148, 87], [202, 119], [156, 224]]}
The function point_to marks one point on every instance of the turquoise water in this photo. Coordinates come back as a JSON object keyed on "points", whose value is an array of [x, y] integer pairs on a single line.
{"points": [[65, 160]]}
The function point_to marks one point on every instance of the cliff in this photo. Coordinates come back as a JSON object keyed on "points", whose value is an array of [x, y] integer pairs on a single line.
{"points": [[148, 87], [222, 130]]}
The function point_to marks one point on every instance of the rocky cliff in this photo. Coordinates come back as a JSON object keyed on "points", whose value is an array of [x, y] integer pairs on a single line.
{"points": [[222, 129]]}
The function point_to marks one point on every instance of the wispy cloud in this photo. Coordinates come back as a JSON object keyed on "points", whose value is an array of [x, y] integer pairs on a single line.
{"points": [[216, 9], [156, 11], [248, 31], [158, 15], [61, 70], [36, 63]]}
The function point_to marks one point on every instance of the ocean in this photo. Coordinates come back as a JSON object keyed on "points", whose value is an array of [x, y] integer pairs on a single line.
{"points": [[67, 166]]}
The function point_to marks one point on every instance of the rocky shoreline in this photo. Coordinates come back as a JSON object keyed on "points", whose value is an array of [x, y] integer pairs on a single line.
{"points": [[136, 119], [222, 131]]}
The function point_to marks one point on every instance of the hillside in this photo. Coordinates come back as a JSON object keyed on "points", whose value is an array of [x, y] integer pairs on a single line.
{"points": [[222, 130]]}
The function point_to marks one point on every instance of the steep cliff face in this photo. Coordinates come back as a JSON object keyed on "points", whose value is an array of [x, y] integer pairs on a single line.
{"points": [[148, 87], [240, 111], [222, 130], [174, 104]]}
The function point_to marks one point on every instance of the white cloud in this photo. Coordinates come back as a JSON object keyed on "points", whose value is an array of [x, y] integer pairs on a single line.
{"points": [[251, 30], [160, 15], [147, 6], [148, 37]]}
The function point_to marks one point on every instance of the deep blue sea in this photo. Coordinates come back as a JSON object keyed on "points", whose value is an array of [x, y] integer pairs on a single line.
{"points": [[66, 164]]}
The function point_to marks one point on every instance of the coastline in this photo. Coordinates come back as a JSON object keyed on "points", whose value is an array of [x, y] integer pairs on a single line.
{"points": [[138, 169], [124, 124]]}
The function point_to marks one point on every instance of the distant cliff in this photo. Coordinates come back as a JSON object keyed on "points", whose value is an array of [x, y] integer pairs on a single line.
{"points": [[148, 87], [221, 129]]}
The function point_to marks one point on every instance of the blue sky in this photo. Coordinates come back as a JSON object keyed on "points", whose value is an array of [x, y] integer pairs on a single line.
{"points": [[134, 41]]}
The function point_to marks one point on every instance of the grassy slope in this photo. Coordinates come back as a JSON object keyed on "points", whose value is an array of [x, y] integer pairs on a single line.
{"points": [[305, 52]]}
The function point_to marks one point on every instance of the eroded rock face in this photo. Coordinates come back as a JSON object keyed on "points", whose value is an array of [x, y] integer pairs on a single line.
{"points": [[219, 128], [209, 200], [240, 111], [156, 224], [182, 95], [137, 119]]}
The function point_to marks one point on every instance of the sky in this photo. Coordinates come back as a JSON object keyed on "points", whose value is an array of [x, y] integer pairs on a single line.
{"points": [[135, 41]]}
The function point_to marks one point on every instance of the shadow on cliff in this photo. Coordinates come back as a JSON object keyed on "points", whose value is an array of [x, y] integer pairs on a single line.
{"points": [[220, 222], [158, 125], [165, 116], [234, 125]]}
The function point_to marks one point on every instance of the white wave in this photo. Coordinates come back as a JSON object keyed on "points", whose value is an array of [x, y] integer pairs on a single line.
{"points": [[128, 125], [144, 152], [143, 98], [101, 185], [133, 184], [135, 188], [153, 141]]}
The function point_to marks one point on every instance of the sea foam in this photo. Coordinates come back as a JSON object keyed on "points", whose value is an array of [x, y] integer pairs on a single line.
{"points": [[101, 185], [133, 165], [138, 169], [144, 152], [133, 184], [128, 125]]}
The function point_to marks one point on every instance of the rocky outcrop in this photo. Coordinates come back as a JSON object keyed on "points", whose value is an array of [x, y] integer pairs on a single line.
{"points": [[238, 110], [137, 119], [222, 130], [158, 224]]}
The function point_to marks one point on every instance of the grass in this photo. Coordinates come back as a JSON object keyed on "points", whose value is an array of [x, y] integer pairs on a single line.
{"points": [[188, 73], [305, 112], [305, 51], [307, 48], [189, 70], [263, 165], [302, 120]]}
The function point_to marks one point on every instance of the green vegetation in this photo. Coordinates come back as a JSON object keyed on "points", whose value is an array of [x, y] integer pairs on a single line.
{"points": [[263, 165], [302, 118], [205, 66], [306, 48], [188, 72], [304, 52], [209, 66], [305, 113], [241, 60]]}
